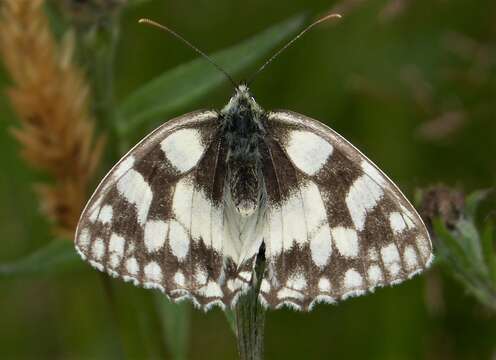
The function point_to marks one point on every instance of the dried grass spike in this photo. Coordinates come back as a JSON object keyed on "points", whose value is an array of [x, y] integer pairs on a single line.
{"points": [[50, 96]]}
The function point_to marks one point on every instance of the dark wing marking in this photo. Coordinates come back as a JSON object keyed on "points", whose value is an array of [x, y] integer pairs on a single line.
{"points": [[336, 225]]}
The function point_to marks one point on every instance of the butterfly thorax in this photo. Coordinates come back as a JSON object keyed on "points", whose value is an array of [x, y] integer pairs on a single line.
{"points": [[243, 131]]}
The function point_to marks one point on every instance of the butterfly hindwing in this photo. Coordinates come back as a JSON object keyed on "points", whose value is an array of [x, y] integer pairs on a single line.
{"points": [[157, 217], [336, 225]]}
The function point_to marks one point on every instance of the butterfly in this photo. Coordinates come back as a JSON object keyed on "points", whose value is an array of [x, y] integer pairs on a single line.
{"points": [[196, 204]]}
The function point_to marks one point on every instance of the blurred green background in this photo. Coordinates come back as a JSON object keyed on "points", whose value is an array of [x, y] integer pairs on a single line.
{"points": [[410, 83]]}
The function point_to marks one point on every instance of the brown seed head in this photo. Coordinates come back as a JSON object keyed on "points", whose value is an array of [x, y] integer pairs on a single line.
{"points": [[50, 96]]}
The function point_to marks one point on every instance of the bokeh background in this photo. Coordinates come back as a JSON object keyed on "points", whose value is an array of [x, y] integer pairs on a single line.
{"points": [[410, 83]]}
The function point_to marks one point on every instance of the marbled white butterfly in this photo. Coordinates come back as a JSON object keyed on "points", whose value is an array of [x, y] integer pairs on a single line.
{"points": [[191, 208]]}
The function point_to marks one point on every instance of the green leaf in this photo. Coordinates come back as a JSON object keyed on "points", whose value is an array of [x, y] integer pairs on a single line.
{"points": [[451, 252], [462, 252], [175, 320], [469, 239], [448, 245], [57, 256], [188, 82], [473, 201], [488, 249]]}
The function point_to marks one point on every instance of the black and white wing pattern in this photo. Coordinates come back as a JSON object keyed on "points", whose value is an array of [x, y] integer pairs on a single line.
{"points": [[336, 225], [157, 218]]}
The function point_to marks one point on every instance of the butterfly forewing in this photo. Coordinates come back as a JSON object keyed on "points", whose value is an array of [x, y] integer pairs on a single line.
{"points": [[336, 225], [157, 217]]}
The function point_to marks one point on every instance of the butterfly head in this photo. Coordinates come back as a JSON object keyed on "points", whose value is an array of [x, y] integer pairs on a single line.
{"points": [[242, 101]]}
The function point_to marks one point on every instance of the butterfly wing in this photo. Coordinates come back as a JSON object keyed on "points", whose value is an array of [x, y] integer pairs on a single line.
{"points": [[157, 217], [336, 225]]}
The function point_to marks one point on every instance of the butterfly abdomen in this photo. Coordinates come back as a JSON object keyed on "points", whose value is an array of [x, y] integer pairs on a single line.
{"points": [[245, 187]]}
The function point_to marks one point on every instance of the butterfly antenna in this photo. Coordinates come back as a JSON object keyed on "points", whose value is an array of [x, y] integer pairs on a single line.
{"points": [[176, 35], [288, 44]]}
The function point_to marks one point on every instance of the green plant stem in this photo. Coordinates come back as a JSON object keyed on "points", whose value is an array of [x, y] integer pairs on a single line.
{"points": [[250, 320], [99, 52], [99, 44]]}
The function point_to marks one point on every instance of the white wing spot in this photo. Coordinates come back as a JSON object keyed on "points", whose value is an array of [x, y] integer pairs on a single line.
{"points": [[394, 269], [183, 149], [308, 151], [115, 260], [371, 171], [155, 234], [95, 208], [245, 275], [408, 221], [423, 246], [321, 299], [217, 218], [123, 167], [390, 254], [324, 284], [105, 214], [153, 271], [233, 285], [84, 239], [98, 248], [289, 293], [179, 279], [293, 214], [200, 224], [410, 257], [201, 276], [352, 279], [408, 217], [275, 229], [132, 266], [94, 213], [315, 211], [265, 286], [391, 259], [178, 240], [317, 226], [346, 240], [321, 246], [116, 249], [297, 281], [136, 190], [97, 265], [374, 274], [363, 196], [212, 289], [182, 201], [396, 222]]}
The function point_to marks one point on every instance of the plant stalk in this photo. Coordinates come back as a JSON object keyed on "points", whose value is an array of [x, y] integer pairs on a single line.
{"points": [[99, 45], [250, 319]]}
